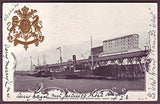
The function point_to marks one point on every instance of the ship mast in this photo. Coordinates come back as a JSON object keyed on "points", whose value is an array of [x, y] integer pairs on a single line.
{"points": [[59, 48], [60, 59], [31, 64], [91, 55], [44, 59], [38, 61]]}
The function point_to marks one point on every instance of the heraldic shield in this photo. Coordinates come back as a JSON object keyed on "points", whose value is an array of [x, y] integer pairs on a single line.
{"points": [[26, 28]]}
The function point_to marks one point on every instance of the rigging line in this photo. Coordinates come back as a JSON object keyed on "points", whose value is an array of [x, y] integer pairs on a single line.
{"points": [[84, 56], [66, 58], [86, 52], [87, 61]]}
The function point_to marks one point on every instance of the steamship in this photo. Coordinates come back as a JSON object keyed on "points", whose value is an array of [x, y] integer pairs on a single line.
{"points": [[114, 69]]}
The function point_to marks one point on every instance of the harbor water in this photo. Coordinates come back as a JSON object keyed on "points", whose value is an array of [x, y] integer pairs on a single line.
{"points": [[23, 83]]}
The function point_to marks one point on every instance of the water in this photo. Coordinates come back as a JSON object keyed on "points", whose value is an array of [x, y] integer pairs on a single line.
{"points": [[23, 83]]}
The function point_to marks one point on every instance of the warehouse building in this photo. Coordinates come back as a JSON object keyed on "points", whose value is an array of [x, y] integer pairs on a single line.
{"points": [[97, 50], [121, 44]]}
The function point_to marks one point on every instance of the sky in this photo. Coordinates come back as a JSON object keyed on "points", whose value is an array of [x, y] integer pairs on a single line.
{"points": [[71, 25]]}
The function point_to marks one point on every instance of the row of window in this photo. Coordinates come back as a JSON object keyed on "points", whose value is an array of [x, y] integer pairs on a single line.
{"points": [[117, 48], [122, 39], [121, 45], [121, 42]]}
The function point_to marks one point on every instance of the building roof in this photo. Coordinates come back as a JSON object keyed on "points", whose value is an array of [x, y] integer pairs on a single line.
{"points": [[97, 47], [124, 55], [118, 56], [111, 57], [97, 50], [120, 37]]}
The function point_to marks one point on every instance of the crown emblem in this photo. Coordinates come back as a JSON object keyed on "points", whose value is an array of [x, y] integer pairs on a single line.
{"points": [[25, 9], [25, 29]]}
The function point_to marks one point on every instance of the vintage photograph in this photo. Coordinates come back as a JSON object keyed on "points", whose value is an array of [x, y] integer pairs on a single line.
{"points": [[80, 51]]}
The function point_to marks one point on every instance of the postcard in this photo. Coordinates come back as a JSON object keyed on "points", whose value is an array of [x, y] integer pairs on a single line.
{"points": [[80, 51]]}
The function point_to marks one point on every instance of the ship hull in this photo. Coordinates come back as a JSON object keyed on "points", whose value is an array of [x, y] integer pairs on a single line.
{"points": [[104, 72]]}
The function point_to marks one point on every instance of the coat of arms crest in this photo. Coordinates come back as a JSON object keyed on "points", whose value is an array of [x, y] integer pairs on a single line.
{"points": [[26, 28]]}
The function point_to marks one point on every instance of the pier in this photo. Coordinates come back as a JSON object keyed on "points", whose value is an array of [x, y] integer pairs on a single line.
{"points": [[122, 65]]}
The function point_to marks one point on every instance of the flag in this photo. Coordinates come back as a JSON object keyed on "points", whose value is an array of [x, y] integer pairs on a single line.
{"points": [[59, 48]]}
